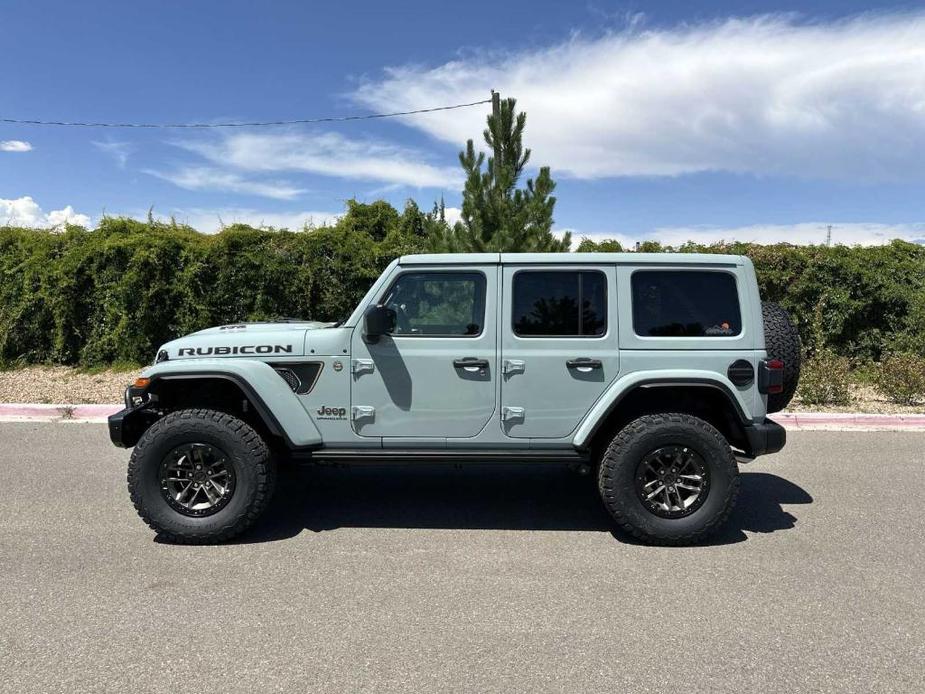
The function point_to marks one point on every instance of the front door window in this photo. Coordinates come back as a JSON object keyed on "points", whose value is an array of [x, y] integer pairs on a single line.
{"points": [[438, 304]]}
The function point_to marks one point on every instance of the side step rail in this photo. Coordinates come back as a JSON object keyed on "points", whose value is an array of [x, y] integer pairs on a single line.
{"points": [[444, 455]]}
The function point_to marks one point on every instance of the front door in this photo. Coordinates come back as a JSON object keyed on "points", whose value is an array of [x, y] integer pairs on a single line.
{"points": [[559, 346], [434, 376]]}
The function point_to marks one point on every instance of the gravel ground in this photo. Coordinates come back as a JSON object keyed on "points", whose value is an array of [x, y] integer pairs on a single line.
{"points": [[867, 399], [65, 385], [480, 578]]}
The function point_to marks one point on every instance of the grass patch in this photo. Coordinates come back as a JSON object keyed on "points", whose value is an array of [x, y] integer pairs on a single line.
{"points": [[865, 374]]}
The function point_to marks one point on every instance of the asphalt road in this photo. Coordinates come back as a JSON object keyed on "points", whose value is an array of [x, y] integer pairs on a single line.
{"points": [[474, 579]]}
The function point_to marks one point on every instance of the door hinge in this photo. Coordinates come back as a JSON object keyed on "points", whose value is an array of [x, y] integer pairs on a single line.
{"points": [[513, 366], [362, 412], [362, 366], [510, 414]]}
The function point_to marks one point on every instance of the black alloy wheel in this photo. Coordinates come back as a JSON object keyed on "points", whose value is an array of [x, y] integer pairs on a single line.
{"points": [[196, 479], [672, 481]]}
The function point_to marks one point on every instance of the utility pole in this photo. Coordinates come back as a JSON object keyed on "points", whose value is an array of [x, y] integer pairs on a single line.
{"points": [[496, 113]]}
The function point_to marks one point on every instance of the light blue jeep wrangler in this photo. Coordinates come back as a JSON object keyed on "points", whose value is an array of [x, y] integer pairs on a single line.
{"points": [[656, 369]]}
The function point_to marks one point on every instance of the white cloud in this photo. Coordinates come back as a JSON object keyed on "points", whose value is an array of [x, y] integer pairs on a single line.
{"points": [[765, 95], [856, 233], [212, 220], [26, 212], [211, 178], [15, 146], [452, 215], [120, 151], [328, 154]]}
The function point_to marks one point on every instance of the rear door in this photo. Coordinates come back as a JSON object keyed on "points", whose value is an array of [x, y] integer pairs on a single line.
{"points": [[435, 375], [559, 346]]}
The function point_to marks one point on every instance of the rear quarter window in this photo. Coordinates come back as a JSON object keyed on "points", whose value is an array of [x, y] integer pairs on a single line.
{"points": [[685, 303]]}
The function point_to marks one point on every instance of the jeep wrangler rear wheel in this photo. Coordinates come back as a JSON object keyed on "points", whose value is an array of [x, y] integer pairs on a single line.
{"points": [[668, 479], [200, 476]]}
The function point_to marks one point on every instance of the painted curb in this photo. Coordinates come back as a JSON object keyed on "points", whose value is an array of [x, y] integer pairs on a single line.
{"points": [[39, 412], [839, 421], [792, 421]]}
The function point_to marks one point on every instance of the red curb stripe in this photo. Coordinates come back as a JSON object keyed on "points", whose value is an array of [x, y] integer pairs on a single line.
{"points": [[799, 420], [54, 411], [87, 411]]}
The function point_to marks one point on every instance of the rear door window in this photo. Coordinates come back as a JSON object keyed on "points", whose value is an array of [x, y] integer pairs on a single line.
{"points": [[685, 303], [559, 303]]}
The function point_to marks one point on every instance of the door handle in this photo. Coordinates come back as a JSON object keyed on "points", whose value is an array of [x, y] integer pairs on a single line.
{"points": [[470, 363], [584, 363]]}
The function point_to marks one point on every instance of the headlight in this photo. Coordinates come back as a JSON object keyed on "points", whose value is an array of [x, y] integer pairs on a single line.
{"points": [[136, 394]]}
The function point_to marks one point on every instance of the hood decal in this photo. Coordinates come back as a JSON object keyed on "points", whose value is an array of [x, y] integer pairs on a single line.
{"points": [[226, 350]]}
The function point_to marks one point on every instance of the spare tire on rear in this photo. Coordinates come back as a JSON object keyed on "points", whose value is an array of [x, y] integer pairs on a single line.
{"points": [[782, 341]]}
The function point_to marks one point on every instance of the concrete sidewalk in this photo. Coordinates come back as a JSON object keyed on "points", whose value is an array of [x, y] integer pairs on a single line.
{"points": [[793, 421]]}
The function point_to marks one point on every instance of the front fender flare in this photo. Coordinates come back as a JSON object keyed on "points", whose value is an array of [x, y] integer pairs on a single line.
{"points": [[270, 395], [626, 384]]}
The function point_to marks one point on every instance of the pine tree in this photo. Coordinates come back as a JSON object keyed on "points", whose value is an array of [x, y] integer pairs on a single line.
{"points": [[497, 216]]}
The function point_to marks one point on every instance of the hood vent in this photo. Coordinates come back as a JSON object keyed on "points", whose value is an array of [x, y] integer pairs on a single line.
{"points": [[289, 377], [301, 378]]}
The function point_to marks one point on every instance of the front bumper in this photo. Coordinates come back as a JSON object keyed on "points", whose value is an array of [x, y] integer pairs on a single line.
{"points": [[765, 437], [127, 426]]}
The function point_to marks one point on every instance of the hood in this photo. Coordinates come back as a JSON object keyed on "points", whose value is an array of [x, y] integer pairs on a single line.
{"points": [[244, 340], [262, 327]]}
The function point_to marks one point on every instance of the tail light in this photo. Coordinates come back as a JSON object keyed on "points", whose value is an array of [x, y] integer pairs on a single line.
{"points": [[771, 376]]}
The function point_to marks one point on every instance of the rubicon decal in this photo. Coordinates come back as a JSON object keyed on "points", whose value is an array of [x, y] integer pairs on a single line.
{"points": [[237, 349]]}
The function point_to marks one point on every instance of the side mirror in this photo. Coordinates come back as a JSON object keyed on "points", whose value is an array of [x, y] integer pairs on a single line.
{"points": [[379, 320]]}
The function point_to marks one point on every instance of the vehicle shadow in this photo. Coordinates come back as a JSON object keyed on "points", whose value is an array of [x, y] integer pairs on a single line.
{"points": [[501, 497]]}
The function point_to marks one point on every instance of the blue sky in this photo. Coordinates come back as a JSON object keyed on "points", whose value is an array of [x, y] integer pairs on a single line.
{"points": [[669, 120]]}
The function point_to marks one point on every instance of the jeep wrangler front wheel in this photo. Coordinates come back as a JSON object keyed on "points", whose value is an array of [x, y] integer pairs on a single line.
{"points": [[200, 476], [668, 479]]}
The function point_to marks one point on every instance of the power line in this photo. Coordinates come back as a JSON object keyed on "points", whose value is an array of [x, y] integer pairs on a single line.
{"points": [[255, 124]]}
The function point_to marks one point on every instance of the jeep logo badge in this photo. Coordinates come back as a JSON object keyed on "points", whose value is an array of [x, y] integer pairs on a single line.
{"points": [[324, 412]]}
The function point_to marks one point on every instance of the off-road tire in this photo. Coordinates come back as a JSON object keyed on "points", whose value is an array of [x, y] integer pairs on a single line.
{"points": [[617, 470], [254, 469], [782, 341]]}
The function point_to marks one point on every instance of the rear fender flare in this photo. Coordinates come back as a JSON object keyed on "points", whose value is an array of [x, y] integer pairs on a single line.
{"points": [[622, 387]]}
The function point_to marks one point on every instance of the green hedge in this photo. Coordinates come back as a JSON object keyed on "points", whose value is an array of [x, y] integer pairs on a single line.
{"points": [[115, 293], [859, 301]]}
